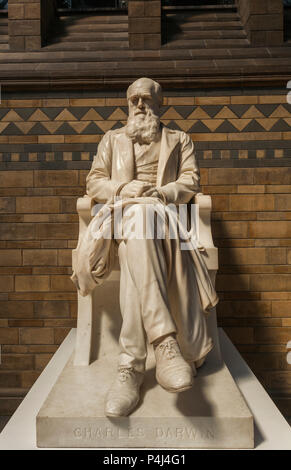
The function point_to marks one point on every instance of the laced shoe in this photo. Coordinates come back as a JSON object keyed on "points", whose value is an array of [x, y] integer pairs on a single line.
{"points": [[173, 373], [124, 394], [199, 363]]}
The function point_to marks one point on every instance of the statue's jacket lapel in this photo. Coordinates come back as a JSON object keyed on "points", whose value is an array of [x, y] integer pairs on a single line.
{"points": [[122, 157], [169, 157]]}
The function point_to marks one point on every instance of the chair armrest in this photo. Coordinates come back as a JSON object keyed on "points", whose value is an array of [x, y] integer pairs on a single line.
{"points": [[204, 231], [84, 206], [204, 220]]}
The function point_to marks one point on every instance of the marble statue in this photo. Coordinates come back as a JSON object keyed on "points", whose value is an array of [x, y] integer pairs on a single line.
{"points": [[165, 291]]}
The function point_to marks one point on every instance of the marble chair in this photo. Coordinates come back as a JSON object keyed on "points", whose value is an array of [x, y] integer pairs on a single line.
{"points": [[99, 317]]}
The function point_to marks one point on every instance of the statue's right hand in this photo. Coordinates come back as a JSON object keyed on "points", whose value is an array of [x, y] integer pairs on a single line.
{"points": [[135, 188]]}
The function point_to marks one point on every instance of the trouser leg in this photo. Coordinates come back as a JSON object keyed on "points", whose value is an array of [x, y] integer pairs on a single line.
{"points": [[143, 296], [132, 340], [148, 269]]}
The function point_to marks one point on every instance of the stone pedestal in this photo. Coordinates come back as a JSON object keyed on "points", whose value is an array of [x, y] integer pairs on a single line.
{"points": [[213, 414]]}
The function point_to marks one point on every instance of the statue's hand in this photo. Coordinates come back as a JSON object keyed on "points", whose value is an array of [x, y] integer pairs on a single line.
{"points": [[152, 192], [135, 189]]}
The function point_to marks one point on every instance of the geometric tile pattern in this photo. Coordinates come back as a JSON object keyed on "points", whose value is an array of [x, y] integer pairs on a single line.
{"points": [[222, 154], [222, 129], [91, 120]]}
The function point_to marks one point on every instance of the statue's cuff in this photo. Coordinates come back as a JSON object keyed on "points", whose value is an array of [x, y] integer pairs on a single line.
{"points": [[119, 189], [162, 196]]}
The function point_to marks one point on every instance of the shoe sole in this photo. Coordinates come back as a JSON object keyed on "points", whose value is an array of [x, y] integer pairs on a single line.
{"points": [[112, 415], [177, 390], [115, 415]]}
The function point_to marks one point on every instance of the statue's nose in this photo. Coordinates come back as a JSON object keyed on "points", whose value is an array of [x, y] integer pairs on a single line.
{"points": [[140, 103]]}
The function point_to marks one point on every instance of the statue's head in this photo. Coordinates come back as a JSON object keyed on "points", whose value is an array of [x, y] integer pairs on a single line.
{"points": [[144, 101], [145, 91]]}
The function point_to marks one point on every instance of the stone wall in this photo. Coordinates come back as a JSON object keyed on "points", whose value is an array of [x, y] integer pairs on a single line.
{"points": [[263, 21], [144, 24], [243, 143], [29, 23]]}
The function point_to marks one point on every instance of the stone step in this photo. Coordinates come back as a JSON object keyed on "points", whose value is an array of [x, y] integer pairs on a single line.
{"points": [[88, 37], [131, 56], [55, 56], [87, 46], [117, 70], [4, 38], [218, 34], [200, 16], [227, 53], [94, 19], [4, 47], [205, 43], [207, 7], [204, 25], [97, 27], [165, 67]]}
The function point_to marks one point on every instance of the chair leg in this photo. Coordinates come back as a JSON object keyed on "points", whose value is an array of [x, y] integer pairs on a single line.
{"points": [[84, 331], [212, 321]]}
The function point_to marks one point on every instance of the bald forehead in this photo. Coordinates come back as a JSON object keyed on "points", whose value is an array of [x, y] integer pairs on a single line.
{"points": [[140, 89], [145, 87]]}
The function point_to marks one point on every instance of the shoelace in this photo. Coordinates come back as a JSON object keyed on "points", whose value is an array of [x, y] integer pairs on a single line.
{"points": [[170, 349], [125, 373]]}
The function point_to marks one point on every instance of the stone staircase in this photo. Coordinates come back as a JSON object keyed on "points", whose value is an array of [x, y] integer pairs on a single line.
{"points": [[202, 41], [202, 27], [87, 32], [4, 31]]}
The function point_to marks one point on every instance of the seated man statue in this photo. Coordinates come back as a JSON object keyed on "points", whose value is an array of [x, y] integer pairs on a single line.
{"points": [[164, 290]]}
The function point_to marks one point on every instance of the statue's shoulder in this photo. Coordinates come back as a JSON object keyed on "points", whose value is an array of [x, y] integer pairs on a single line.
{"points": [[176, 134], [114, 132]]}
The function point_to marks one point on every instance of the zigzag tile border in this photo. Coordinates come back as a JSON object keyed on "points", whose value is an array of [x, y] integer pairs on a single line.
{"points": [[234, 130]]}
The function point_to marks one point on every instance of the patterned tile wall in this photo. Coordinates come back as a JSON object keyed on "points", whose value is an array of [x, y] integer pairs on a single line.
{"points": [[227, 130]]}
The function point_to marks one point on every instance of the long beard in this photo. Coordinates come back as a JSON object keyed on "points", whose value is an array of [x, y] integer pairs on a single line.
{"points": [[143, 129]]}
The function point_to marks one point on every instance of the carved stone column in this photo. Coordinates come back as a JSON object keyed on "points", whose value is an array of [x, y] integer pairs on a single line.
{"points": [[263, 21], [144, 24], [29, 22]]}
